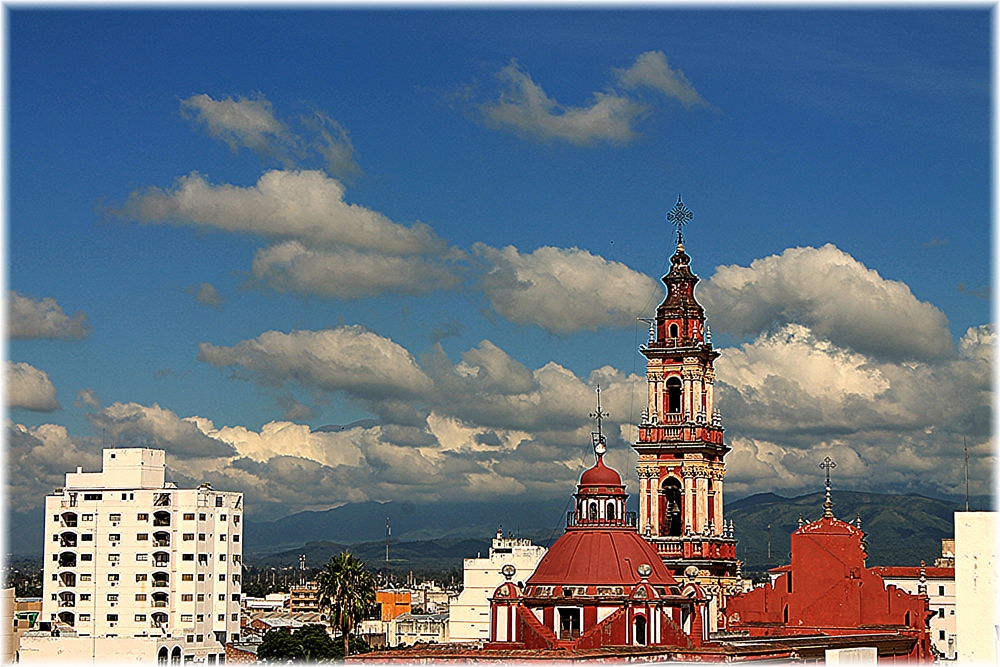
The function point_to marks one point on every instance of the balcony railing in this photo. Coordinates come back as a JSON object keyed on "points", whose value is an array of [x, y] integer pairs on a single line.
{"points": [[158, 603], [67, 603], [161, 584], [578, 519], [161, 543]]}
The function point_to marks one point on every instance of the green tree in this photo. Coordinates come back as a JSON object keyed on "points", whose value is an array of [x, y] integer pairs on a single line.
{"points": [[309, 644], [347, 590]]}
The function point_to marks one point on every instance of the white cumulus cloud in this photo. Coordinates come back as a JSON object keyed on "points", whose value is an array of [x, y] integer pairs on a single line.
{"points": [[651, 70], [30, 388], [346, 273], [135, 425], [241, 122], [42, 318], [834, 295], [524, 107], [305, 205], [563, 289]]}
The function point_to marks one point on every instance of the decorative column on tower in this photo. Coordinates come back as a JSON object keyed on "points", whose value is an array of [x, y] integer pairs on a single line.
{"points": [[681, 449]]}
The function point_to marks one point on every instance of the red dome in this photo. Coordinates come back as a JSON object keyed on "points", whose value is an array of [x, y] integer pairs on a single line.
{"points": [[600, 475], [599, 558]]}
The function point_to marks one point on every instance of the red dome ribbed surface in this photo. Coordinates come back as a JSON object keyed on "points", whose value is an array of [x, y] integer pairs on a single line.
{"points": [[600, 475], [599, 558]]}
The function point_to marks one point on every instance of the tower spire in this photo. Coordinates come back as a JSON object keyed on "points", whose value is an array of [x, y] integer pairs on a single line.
{"points": [[679, 216], [600, 445], [828, 464]]}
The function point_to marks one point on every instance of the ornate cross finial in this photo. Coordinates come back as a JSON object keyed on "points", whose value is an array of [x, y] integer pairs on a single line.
{"points": [[828, 464], [599, 415], [679, 216]]}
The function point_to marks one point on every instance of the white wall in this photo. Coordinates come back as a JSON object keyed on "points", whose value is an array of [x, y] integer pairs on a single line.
{"points": [[976, 582]]}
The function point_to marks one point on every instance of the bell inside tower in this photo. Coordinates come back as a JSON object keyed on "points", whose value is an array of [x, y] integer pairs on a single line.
{"points": [[671, 513], [673, 395]]}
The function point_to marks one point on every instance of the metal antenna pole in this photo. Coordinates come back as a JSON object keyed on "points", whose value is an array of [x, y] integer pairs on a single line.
{"points": [[965, 444]]}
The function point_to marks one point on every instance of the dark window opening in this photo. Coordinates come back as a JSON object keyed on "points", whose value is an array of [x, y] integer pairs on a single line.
{"points": [[671, 518], [569, 623], [673, 395], [640, 630]]}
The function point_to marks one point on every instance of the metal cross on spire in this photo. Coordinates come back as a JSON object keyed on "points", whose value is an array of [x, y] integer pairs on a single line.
{"points": [[828, 464], [599, 415], [679, 216]]}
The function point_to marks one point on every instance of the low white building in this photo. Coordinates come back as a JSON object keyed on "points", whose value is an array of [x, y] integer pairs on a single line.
{"points": [[976, 585], [408, 629], [469, 614], [136, 568], [938, 583]]}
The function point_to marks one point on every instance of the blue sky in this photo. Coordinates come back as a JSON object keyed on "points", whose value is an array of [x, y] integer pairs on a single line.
{"points": [[229, 228]]}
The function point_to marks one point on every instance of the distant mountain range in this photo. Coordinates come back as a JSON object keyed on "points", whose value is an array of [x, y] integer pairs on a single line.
{"points": [[902, 529]]}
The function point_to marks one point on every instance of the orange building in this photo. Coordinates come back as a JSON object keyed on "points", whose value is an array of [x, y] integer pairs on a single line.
{"points": [[392, 603]]}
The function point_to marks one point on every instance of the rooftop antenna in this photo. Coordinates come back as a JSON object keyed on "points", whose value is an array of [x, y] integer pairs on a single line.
{"points": [[388, 532], [965, 444], [828, 464], [598, 437], [679, 216], [302, 569]]}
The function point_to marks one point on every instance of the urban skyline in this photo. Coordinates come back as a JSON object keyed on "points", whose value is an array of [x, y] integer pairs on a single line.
{"points": [[447, 222]]}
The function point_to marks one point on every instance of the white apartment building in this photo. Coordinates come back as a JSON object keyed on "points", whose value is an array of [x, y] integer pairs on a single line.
{"points": [[977, 583], [138, 569], [938, 583], [469, 615]]}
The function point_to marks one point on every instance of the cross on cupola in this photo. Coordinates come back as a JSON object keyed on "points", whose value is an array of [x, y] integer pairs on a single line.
{"points": [[600, 444], [679, 216], [828, 464]]}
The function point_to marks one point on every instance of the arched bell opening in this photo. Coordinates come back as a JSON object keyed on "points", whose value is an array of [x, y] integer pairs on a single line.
{"points": [[592, 512], [674, 331], [671, 508], [639, 631], [673, 405], [610, 511]]}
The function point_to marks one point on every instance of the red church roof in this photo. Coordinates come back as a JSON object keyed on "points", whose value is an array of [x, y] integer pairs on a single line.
{"points": [[596, 557], [600, 475]]}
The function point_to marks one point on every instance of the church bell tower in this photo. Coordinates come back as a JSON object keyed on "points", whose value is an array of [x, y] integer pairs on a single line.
{"points": [[680, 446]]}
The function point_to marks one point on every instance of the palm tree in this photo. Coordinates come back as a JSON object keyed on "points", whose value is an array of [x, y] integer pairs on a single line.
{"points": [[347, 589]]}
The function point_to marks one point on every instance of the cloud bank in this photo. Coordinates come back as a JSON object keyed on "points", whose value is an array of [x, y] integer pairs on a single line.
{"points": [[30, 388], [30, 318]]}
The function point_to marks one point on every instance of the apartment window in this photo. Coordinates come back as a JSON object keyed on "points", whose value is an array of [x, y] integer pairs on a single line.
{"points": [[236, 578], [87, 537], [190, 638], [941, 592], [203, 559], [201, 597], [236, 558], [112, 597], [236, 518], [142, 537], [142, 556], [222, 517], [187, 556], [113, 576], [189, 516], [86, 556], [92, 496], [188, 618], [124, 496], [222, 538], [55, 537], [202, 516], [201, 577], [114, 558], [187, 537], [140, 618], [115, 537], [187, 597], [222, 577], [201, 537], [236, 538], [142, 516], [235, 636], [200, 638], [236, 597], [221, 617], [140, 577], [222, 598], [84, 617], [187, 577], [218, 501], [87, 517], [84, 597], [941, 612], [222, 558], [235, 617], [85, 577], [55, 577], [140, 597], [54, 597], [115, 517], [941, 634]]}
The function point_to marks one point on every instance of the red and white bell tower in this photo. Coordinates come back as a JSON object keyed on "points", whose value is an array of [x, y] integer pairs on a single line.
{"points": [[681, 449]]}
